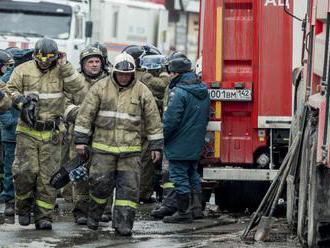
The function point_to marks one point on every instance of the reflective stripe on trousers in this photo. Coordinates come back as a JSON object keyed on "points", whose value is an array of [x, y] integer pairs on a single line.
{"points": [[116, 149], [43, 135], [24, 197], [99, 201], [44, 204], [125, 203]]}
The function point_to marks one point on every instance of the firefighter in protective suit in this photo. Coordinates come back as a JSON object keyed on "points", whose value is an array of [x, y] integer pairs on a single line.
{"points": [[116, 106], [157, 84], [37, 87], [92, 70], [156, 80]]}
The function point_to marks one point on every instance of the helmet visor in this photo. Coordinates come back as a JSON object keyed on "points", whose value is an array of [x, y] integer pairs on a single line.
{"points": [[49, 57], [125, 66]]}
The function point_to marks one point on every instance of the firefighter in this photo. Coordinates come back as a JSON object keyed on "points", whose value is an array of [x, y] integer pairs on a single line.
{"points": [[156, 80], [185, 121], [116, 106], [93, 69], [157, 85], [37, 88]]}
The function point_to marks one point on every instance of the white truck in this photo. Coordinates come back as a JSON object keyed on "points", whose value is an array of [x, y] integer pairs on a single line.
{"points": [[23, 22], [71, 23], [119, 23]]}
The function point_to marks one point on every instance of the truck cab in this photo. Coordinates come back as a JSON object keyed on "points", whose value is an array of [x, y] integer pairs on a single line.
{"points": [[26, 21]]}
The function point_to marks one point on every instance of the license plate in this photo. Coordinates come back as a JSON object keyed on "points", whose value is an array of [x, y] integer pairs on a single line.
{"points": [[231, 94]]}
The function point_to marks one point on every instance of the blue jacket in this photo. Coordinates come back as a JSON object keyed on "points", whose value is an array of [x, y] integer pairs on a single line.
{"points": [[186, 117], [8, 119]]}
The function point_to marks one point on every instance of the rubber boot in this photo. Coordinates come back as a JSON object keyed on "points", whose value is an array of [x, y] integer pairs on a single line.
{"points": [[10, 208], [183, 214], [43, 225], [95, 212], [168, 206], [24, 220], [196, 206], [123, 220], [92, 223], [105, 217]]}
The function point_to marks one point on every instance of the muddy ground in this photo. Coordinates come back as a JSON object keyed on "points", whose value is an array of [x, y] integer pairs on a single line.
{"points": [[218, 229]]}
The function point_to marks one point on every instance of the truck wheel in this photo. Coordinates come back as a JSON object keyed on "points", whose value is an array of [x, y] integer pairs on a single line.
{"points": [[237, 196]]}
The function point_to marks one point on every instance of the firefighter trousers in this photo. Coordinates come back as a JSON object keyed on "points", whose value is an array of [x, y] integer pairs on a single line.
{"points": [[80, 193], [123, 173], [147, 172], [35, 162]]}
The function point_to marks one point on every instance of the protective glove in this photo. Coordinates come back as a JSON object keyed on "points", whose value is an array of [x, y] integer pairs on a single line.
{"points": [[78, 174], [29, 109]]}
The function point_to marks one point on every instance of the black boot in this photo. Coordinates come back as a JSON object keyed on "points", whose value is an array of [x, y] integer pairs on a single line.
{"points": [[10, 208], [24, 220], [168, 206], [43, 225], [123, 220], [95, 212], [183, 215], [160, 213], [92, 223], [196, 206], [105, 217]]}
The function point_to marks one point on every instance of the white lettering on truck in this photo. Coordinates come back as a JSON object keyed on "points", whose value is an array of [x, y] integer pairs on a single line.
{"points": [[278, 3]]}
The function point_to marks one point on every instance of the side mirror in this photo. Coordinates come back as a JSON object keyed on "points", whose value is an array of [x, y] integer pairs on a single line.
{"points": [[89, 29]]}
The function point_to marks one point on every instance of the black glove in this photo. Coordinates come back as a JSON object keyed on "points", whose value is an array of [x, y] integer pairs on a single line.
{"points": [[29, 109]]}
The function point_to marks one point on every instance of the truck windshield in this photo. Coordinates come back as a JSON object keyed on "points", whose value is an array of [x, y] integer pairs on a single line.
{"points": [[34, 24]]}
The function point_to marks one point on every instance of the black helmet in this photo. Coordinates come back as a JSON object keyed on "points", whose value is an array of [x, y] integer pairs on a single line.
{"points": [[179, 65], [150, 50], [13, 50], [20, 55], [5, 58], [46, 51], [135, 51], [175, 55], [172, 56]]}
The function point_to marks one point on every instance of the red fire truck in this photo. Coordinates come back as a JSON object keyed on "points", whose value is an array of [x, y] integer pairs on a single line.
{"points": [[247, 62]]}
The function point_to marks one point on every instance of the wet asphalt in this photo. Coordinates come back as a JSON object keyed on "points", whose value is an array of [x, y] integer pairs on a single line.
{"points": [[218, 229]]}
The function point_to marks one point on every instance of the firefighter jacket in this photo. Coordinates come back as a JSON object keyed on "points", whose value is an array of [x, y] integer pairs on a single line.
{"points": [[157, 85], [72, 101], [186, 118], [50, 87], [117, 113]]}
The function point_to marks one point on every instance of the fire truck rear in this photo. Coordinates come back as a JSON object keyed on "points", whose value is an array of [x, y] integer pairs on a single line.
{"points": [[247, 62]]}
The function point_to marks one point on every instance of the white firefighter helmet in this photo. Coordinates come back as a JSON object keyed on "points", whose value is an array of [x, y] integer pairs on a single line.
{"points": [[124, 63]]}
